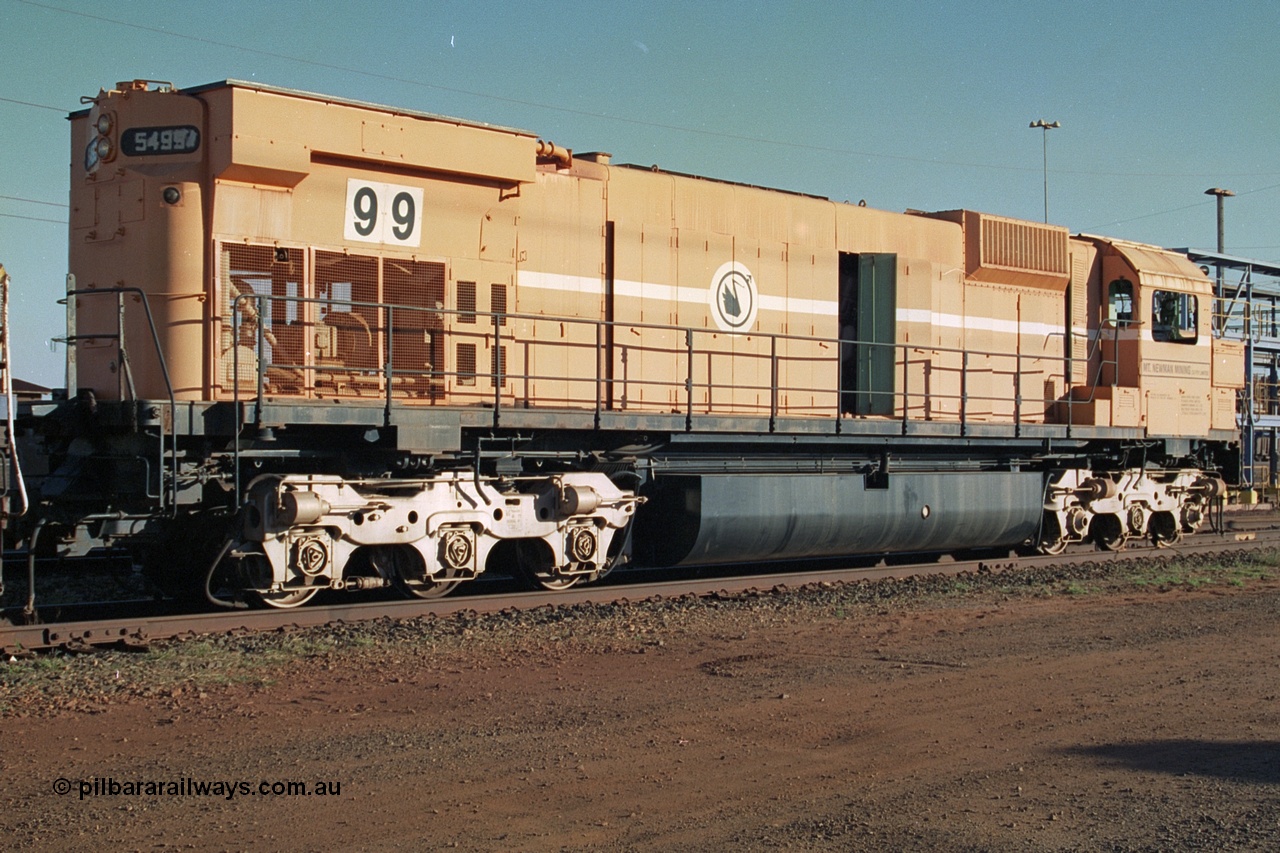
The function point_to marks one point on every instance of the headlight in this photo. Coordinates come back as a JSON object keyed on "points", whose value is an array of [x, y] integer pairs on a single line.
{"points": [[105, 123], [105, 149]]}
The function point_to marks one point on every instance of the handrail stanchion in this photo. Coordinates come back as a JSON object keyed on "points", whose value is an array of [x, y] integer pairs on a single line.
{"points": [[600, 356], [773, 382], [119, 345], [235, 393], [388, 369], [496, 373], [906, 395], [260, 391], [1071, 407], [839, 384], [1017, 392], [688, 380]]}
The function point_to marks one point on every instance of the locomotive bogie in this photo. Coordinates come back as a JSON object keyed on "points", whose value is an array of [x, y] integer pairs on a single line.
{"points": [[1113, 507], [309, 530]]}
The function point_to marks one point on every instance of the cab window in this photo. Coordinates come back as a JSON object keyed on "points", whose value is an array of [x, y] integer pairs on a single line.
{"points": [[1120, 302], [1174, 316]]}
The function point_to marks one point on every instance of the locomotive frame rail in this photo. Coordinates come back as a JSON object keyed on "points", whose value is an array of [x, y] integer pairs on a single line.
{"points": [[137, 632]]}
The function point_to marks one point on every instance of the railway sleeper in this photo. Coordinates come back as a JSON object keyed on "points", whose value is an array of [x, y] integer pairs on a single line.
{"points": [[301, 534], [1112, 507]]}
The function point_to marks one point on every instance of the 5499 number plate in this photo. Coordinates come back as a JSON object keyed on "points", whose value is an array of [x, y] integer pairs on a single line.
{"points": [[145, 141]]}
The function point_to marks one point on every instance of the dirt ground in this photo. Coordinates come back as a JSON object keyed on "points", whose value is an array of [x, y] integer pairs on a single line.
{"points": [[1142, 720]]}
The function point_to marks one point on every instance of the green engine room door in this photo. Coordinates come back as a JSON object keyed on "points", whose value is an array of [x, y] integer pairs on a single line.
{"points": [[868, 309]]}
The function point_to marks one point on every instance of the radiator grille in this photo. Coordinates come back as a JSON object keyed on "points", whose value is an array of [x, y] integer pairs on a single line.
{"points": [[330, 322], [1024, 245]]}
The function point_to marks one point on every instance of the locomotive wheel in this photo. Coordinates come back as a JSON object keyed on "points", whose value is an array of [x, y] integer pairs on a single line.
{"points": [[285, 599], [1051, 539], [1054, 547], [534, 567], [408, 574], [1165, 530], [254, 573], [425, 589], [1192, 517], [1108, 532], [549, 582]]}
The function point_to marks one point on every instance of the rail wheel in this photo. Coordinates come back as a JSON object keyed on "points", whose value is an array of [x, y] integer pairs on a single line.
{"points": [[1108, 531], [408, 572], [1053, 547], [1051, 539], [533, 564], [1192, 518], [285, 599], [1165, 530], [254, 573]]}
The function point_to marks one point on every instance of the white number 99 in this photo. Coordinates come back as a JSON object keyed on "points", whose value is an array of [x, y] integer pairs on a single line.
{"points": [[382, 213]]}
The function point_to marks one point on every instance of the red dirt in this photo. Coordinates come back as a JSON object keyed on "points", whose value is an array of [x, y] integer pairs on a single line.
{"points": [[1123, 721]]}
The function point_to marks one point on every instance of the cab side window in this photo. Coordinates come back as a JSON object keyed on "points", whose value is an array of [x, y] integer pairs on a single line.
{"points": [[1174, 316], [1120, 302]]}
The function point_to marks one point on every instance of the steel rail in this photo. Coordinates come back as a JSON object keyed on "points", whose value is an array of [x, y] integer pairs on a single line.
{"points": [[137, 631]]}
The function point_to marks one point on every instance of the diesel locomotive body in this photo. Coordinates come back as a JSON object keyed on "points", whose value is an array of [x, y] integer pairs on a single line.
{"points": [[319, 344]]}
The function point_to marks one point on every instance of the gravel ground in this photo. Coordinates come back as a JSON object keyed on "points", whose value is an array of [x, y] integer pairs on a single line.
{"points": [[1111, 706]]}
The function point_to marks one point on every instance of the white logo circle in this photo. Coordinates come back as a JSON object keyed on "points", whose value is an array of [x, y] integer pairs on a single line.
{"points": [[733, 298]]}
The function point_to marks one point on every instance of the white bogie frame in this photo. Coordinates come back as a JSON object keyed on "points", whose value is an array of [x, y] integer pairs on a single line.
{"points": [[1136, 500], [309, 526]]}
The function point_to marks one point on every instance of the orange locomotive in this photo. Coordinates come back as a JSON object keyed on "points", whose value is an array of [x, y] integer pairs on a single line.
{"points": [[347, 346]]}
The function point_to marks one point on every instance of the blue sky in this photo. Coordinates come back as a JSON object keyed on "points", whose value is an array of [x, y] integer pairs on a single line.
{"points": [[904, 104]]}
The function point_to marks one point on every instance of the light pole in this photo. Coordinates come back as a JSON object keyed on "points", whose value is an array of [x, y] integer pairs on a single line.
{"points": [[1221, 194], [1045, 126], [1248, 416], [1222, 242]]}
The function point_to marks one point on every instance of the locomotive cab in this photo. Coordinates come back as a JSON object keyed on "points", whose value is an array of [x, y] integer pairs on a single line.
{"points": [[1162, 366]]}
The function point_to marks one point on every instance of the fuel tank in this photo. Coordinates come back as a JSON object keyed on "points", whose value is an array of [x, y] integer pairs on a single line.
{"points": [[728, 518]]}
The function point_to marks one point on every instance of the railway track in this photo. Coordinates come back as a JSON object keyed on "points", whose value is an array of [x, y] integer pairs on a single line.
{"points": [[1243, 530]]}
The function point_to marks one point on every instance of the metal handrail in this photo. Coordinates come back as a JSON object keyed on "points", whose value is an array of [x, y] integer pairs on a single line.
{"points": [[604, 386], [168, 496]]}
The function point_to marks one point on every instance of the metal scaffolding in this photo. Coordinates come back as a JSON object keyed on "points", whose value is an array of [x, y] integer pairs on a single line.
{"points": [[1247, 308]]}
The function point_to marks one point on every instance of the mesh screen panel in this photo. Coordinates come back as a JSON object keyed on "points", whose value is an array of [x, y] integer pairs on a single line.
{"points": [[414, 292], [498, 365], [498, 302], [330, 333], [466, 302], [276, 274], [466, 364]]}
